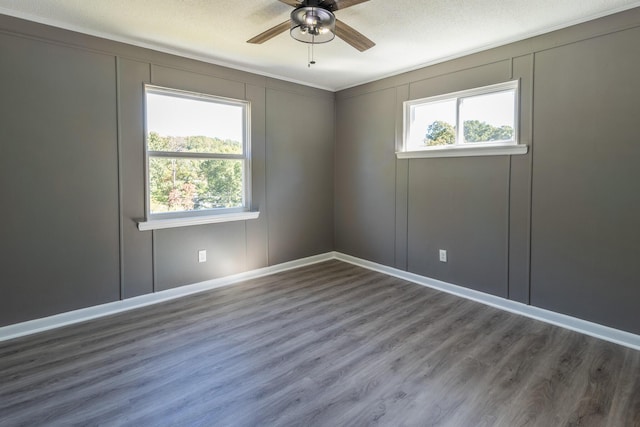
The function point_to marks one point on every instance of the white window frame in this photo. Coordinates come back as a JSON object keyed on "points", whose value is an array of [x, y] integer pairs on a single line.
{"points": [[162, 220], [460, 148]]}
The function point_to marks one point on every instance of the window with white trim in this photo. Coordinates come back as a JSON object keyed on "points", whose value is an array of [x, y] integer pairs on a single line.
{"points": [[471, 122], [197, 153]]}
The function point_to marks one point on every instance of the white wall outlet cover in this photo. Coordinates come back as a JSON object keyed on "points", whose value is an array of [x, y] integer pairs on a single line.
{"points": [[443, 255], [202, 256]]}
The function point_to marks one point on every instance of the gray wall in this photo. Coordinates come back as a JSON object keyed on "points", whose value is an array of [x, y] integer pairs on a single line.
{"points": [[300, 211], [586, 180], [59, 220], [365, 172], [556, 228], [72, 174]]}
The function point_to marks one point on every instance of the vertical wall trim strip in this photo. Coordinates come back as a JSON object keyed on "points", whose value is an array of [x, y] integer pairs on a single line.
{"points": [[395, 186], [145, 160], [531, 152], [406, 224], [511, 71], [508, 243], [264, 177], [266, 172], [250, 183], [246, 246], [401, 180], [153, 261], [120, 189], [335, 170], [509, 178]]}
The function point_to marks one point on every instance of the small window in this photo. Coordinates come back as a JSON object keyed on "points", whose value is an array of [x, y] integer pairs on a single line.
{"points": [[482, 117], [198, 159]]}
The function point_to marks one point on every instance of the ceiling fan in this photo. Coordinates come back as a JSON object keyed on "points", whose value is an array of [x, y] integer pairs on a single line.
{"points": [[313, 21]]}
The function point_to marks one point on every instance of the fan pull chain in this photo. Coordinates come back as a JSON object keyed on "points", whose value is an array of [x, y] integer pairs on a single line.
{"points": [[310, 60]]}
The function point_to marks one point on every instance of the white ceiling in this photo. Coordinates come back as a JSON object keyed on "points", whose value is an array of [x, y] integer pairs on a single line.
{"points": [[408, 34]]}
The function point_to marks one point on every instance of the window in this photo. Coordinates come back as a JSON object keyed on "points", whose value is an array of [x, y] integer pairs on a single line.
{"points": [[480, 121], [198, 160]]}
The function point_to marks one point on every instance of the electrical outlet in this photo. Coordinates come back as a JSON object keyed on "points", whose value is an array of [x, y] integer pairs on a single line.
{"points": [[443, 255], [202, 256]]}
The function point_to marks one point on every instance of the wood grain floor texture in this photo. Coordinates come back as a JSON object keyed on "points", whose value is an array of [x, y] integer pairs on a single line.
{"points": [[325, 345]]}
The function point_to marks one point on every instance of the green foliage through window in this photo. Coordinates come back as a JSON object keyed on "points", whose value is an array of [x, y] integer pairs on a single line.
{"points": [[440, 133], [186, 184], [443, 133], [192, 144], [477, 131]]}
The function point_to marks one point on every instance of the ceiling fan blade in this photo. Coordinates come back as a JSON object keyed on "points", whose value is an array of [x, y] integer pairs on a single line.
{"points": [[343, 4], [353, 37], [270, 33], [292, 3]]}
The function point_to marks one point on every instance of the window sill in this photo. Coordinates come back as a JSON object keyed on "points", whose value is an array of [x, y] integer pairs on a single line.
{"points": [[157, 224], [487, 150]]}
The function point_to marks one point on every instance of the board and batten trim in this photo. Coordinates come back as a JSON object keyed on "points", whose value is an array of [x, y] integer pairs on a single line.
{"points": [[596, 330]]}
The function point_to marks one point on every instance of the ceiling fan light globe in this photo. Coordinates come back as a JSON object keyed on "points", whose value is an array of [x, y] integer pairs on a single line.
{"points": [[310, 19]]}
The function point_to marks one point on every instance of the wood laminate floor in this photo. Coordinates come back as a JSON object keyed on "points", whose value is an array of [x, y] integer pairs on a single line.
{"points": [[330, 345]]}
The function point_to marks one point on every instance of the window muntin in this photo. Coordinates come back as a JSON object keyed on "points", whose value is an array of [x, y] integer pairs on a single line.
{"points": [[485, 116], [198, 159]]}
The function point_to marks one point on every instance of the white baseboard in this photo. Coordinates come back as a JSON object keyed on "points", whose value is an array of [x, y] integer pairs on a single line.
{"points": [[596, 330], [84, 314], [588, 328]]}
